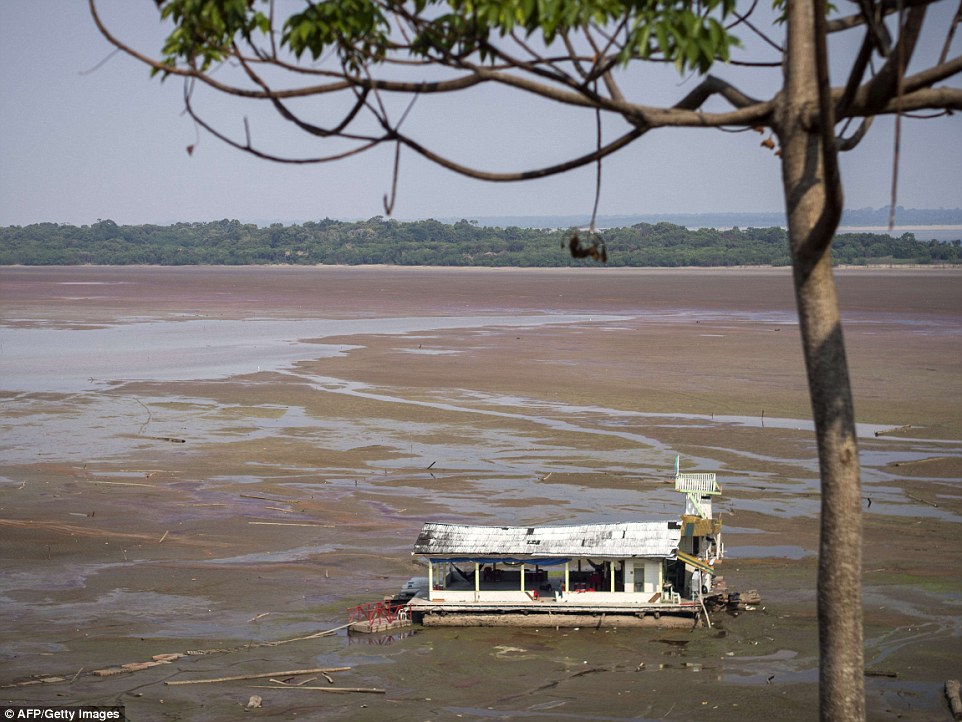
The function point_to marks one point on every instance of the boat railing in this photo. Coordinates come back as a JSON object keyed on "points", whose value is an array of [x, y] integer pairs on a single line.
{"points": [[697, 484], [378, 612]]}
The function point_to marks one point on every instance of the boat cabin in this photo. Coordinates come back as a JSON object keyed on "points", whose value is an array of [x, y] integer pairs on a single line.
{"points": [[626, 567], [517, 564]]}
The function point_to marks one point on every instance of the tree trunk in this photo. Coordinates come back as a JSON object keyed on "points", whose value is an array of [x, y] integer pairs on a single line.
{"points": [[813, 204]]}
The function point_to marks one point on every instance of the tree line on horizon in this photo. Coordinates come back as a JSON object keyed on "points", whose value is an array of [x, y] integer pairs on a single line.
{"points": [[432, 243]]}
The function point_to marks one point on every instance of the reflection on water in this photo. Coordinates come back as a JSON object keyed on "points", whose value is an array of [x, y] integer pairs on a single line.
{"points": [[69, 360], [779, 668], [378, 639], [776, 551]]}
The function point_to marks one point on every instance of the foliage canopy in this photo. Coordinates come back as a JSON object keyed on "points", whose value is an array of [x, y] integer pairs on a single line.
{"points": [[362, 32], [431, 243]]}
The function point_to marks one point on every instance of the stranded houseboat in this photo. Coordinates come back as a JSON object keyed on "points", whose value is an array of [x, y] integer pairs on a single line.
{"points": [[647, 573]]}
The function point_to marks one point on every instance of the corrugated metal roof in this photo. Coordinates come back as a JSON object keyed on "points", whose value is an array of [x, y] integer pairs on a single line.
{"points": [[630, 539]]}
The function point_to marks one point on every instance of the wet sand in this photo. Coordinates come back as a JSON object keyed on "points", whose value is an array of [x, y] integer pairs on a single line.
{"points": [[142, 516]]}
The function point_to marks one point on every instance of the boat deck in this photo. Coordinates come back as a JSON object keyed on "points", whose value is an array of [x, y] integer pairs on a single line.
{"points": [[572, 610]]}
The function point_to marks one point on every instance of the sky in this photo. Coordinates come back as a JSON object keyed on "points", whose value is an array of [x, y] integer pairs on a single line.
{"points": [[87, 135]]}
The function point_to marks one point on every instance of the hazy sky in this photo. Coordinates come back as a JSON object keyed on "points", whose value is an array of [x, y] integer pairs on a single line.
{"points": [[80, 142]]}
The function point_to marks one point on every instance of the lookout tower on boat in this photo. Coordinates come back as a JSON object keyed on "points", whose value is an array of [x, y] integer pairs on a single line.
{"points": [[698, 488], [700, 545]]}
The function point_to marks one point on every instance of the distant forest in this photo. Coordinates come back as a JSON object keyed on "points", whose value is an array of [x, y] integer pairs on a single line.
{"points": [[432, 243]]}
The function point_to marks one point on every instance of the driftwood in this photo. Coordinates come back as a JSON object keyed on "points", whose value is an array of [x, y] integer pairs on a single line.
{"points": [[291, 523], [228, 650], [118, 483], [155, 661], [239, 677], [952, 695], [159, 659], [368, 690], [923, 501], [324, 633], [285, 683], [31, 682], [893, 431]]}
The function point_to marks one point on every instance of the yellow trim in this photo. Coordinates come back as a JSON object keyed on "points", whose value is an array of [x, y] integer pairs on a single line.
{"points": [[695, 562]]}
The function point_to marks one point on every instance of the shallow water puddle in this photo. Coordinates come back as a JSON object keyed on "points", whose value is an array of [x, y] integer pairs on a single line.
{"points": [[776, 551], [197, 349]]}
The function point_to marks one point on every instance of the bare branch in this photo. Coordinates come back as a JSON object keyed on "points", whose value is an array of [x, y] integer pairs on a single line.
{"points": [[918, 91], [887, 7], [602, 152], [878, 34], [716, 86], [950, 34], [569, 46], [828, 220], [389, 202], [930, 76], [901, 61], [683, 114], [271, 23], [603, 68], [250, 149], [310, 128], [927, 99], [846, 144], [545, 77], [343, 82], [886, 83], [855, 76], [594, 210], [743, 19]]}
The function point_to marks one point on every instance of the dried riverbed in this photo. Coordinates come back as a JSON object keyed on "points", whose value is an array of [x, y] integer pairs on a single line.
{"points": [[197, 459]]}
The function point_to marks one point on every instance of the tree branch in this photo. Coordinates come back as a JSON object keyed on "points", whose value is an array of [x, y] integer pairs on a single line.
{"points": [[931, 76], [542, 76], [545, 172], [864, 104], [887, 7], [926, 99], [855, 76], [887, 82], [846, 144], [247, 147], [824, 228], [310, 128], [950, 33], [343, 82], [743, 19]]}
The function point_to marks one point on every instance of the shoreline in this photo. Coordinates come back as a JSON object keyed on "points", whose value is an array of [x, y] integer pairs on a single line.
{"points": [[525, 269]]}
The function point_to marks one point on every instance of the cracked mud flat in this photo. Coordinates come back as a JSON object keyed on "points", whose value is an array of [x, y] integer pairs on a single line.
{"points": [[184, 451]]}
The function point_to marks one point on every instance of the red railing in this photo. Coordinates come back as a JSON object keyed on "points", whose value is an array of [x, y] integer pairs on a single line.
{"points": [[376, 613]]}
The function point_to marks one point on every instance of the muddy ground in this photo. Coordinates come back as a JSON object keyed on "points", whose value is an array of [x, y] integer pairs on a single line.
{"points": [[157, 498]]}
